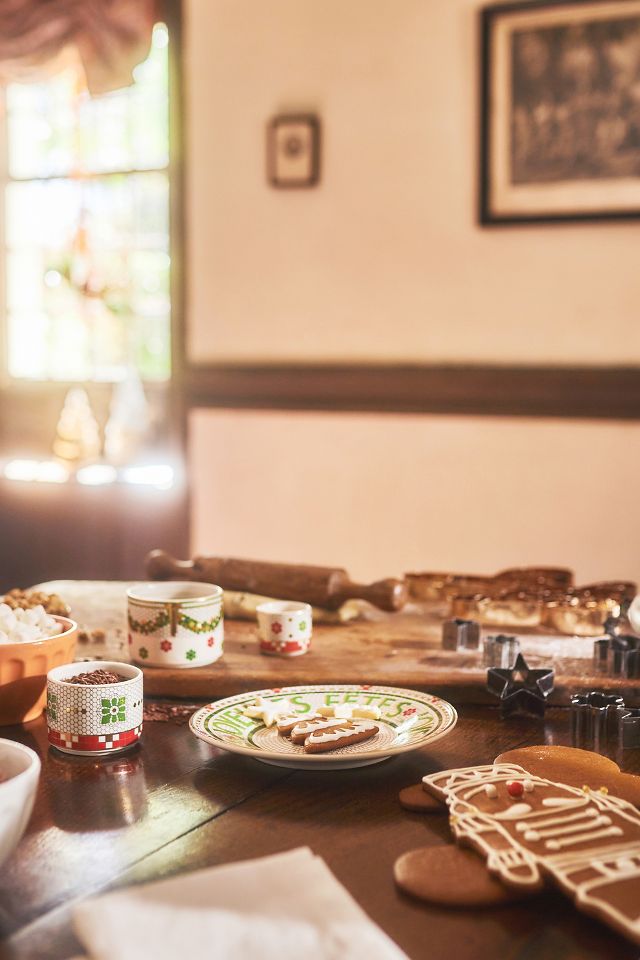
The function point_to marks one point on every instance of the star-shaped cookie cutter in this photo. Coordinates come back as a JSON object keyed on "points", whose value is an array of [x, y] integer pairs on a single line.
{"points": [[521, 689]]}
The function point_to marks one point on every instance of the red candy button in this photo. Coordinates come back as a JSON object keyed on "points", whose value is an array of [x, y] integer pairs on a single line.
{"points": [[515, 789]]}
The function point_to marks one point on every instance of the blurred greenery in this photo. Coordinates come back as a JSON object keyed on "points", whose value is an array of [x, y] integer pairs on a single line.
{"points": [[88, 267]]}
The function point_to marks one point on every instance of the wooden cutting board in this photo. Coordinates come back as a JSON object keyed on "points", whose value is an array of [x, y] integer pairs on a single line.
{"points": [[401, 650]]}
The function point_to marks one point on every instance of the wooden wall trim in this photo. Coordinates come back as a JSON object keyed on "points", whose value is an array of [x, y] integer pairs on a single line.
{"points": [[520, 391]]}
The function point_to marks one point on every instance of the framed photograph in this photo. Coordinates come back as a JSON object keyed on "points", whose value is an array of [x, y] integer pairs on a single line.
{"points": [[560, 135], [293, 151]]}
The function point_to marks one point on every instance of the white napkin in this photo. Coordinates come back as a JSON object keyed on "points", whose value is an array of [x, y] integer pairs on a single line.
{"points": [[284, 907]]}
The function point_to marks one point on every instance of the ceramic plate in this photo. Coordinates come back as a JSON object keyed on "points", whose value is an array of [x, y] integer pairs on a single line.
{"points": [[408, 720]]}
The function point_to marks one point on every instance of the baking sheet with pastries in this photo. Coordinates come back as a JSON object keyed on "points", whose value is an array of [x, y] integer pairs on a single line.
{"points": [[526, 597]]}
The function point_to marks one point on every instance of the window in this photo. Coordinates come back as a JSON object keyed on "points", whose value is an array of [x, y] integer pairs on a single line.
{"points": [[86, 227]]}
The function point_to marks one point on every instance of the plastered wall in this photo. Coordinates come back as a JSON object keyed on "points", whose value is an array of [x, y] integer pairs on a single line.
{"points": [[388, 494], [384, 261]]}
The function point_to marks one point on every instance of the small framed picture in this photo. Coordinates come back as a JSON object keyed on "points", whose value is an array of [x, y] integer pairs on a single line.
{"points": [[293, 151], [560, 111]]}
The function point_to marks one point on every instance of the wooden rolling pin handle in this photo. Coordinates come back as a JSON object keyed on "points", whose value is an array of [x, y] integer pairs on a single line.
{"points": [[160, 566], [389, 594], [326, 587]]}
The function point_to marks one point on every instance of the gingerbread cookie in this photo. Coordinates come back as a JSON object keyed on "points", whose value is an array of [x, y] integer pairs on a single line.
{"points": [[530, 828], [420, 873], [341, 734], [416, 799], [578, 768], [304, 728], [286, 724]]}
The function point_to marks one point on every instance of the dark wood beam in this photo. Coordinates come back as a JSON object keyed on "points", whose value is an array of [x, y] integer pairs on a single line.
{"points": [[483, 390]]}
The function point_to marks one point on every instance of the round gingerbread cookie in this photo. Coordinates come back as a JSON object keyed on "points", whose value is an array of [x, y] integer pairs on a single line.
{"points": [[627, 787], [452, 877], [563, 764], [417, 799]]}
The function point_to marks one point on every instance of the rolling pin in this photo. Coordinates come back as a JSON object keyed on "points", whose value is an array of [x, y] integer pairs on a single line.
{"points": [[327, 587]]}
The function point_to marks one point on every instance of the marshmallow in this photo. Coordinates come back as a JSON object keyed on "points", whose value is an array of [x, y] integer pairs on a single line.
{"points": [[25, 626]]}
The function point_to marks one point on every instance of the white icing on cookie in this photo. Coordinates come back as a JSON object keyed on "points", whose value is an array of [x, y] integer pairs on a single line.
{"points": [[308, 726], [560, 802], [328, 735], [562, 829], [287, 723], [583, 837], [514, 812], [481, 789], [551, 821], [527, 785]]}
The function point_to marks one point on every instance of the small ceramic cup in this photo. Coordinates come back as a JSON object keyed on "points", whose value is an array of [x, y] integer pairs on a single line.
{"points": [[94, 719], [284, 628], [175, 623]]}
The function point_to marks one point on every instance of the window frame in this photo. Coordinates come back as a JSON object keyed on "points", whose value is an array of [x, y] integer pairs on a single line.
{"points": [[24, 403]]}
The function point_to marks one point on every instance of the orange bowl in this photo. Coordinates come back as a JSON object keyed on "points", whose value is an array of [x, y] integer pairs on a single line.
{"points": [[24, 668]]}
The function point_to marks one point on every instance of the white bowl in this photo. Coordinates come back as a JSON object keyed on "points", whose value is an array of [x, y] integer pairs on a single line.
{"points": [[21, 768]]}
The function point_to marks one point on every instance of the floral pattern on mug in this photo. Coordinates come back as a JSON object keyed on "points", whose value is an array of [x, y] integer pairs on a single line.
{"points": [[113, 710]]}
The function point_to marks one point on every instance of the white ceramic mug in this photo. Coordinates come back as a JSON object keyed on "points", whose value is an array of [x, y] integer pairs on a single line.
{"points": [[175, 623], [284, 627]]}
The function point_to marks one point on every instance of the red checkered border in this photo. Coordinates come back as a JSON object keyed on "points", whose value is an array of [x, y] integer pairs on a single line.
{"points": [[290, 646], [104, 741]]}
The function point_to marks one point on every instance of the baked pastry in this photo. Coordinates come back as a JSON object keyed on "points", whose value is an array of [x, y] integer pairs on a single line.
{"points": [[286, 724], [304, 728], [530, 829], [341, 734]]}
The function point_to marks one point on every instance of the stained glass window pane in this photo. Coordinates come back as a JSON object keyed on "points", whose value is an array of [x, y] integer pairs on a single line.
{"points": [[88, 269], [87, 227]]}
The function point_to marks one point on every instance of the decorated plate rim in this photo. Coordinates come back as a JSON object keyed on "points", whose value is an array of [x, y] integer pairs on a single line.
{"points": [[446, 725]]}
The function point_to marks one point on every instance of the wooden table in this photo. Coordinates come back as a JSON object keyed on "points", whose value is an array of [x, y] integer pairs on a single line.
{"points": [[176, 804]]}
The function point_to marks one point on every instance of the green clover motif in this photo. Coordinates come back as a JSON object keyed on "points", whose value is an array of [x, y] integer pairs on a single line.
{"points": [[302, 625], [143, 652], [113, 710], [190, 654]]}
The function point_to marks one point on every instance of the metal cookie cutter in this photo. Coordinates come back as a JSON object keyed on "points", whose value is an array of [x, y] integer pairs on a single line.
{"points": [[460, 634], [617, 655], [628, 727], [500, 651], [521, 689], [592, 717]]}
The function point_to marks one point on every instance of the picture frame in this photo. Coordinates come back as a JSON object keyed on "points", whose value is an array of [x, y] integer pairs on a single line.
{"points": [[560, 111], [293, 151]]}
